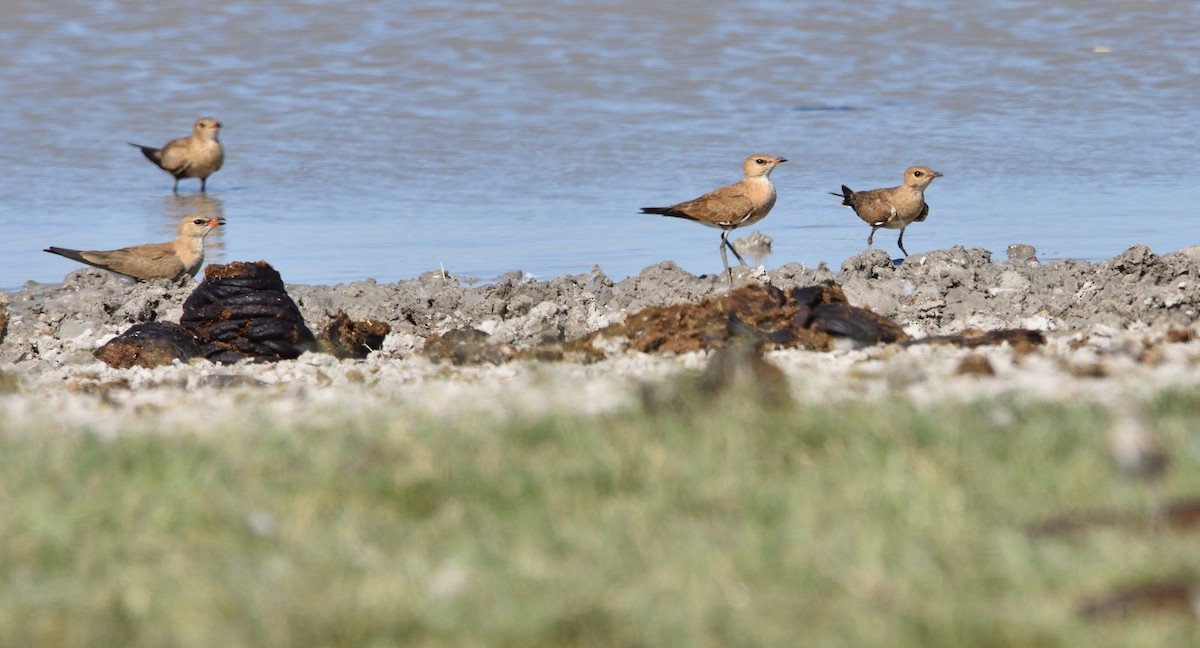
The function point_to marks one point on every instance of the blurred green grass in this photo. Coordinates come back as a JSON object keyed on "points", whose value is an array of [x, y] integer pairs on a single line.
{"points": [[714, 521]]}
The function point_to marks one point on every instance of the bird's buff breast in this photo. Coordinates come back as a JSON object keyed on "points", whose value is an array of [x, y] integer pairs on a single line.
{"points": [[761, 213], [208, 155]]}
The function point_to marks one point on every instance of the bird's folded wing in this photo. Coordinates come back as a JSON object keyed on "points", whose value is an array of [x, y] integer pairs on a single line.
{"points": [[924, 213], [140, 260], [174, 156], [723, 205], [874, 206]]}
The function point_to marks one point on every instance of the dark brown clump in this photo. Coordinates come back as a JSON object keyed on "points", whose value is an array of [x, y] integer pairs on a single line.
{"points": [[149, 345], [1174, 336], [742, 371], [1021, 340], [1088, 369], [974, 364], [241, 311], [824, 308], [347, 338], [1175, 596], [814, 317], [465, 346], [1177, 515]]}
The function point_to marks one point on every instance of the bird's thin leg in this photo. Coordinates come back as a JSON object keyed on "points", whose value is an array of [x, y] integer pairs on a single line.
{"points": [[900, 242], [175, 188], [725, 238], [724, 257], [203, 185], [871, 238]]}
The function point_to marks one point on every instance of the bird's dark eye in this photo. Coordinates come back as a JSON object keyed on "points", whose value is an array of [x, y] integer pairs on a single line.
{"points": [[760, 161], [199, 221], [917, 174]]}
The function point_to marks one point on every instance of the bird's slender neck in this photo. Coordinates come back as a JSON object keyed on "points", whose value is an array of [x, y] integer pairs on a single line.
{"points": [[194, 243]]}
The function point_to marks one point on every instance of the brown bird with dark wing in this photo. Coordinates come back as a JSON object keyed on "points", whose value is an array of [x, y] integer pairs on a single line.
{"points": [[728, 208], [196, 156], [894, 207], [172, 260]]}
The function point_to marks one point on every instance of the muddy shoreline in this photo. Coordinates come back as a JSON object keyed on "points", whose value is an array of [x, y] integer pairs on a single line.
{"points": [[1117, 327]]}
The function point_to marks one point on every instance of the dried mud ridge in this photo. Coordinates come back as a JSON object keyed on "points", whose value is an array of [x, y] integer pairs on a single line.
{"points": [[956, 296], [242, 311]]}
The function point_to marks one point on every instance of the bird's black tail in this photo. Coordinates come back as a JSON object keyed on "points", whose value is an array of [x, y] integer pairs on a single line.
{"points": [[661, 211], [847, 196], [150, 152], [74, 255]]}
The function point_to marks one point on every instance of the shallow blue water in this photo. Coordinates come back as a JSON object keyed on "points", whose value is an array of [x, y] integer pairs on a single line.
{"points": [[364, 140]]}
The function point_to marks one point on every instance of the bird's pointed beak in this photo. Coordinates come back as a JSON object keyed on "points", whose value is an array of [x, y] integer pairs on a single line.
{"points": [[780, 160], [937, 174], [215, 221]]}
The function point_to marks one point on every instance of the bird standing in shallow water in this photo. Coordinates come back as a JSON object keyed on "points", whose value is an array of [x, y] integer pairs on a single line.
{"points": [[894, 207], [171, 260], [196, 156], [728, 208]]}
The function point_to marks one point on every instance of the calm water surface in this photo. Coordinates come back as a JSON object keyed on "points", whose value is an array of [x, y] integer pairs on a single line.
{"points": [[365, 140]]}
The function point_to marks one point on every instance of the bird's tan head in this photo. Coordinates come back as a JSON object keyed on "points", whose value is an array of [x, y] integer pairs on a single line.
{"points": [[199, 226], [919, 177], [207, 126], [760, 164]]}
